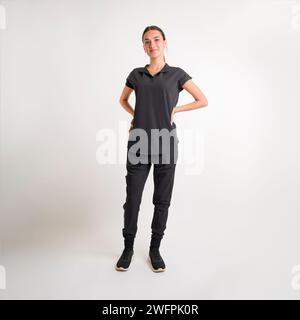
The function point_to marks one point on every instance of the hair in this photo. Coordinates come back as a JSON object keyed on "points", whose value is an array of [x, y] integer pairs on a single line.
{"points": [[154, 28]]}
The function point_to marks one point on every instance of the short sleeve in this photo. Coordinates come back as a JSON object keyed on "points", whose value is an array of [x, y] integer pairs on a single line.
{"points": [[130, 80], [183, 78]]}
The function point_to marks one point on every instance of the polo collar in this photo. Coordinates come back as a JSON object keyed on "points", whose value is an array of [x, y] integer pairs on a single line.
{"points": [[166, 68]]}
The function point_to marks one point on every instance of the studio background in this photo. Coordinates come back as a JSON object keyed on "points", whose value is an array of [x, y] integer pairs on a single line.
{"points": [[233, 226]]}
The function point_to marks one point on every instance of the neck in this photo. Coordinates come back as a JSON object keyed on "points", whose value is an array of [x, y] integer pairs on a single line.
{"points": [[157, 63]]}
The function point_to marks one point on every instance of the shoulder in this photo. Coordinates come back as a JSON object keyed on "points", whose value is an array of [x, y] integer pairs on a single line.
{"points": [[181, 77], [178, 69], [135, 70], [134, 73]]}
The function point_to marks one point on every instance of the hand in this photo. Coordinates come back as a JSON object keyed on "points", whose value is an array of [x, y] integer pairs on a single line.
{"points": [[172, 115], [131, 125]]}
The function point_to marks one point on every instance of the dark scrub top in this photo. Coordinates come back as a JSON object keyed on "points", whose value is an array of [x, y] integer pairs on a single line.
{"points": [[156, 96]]}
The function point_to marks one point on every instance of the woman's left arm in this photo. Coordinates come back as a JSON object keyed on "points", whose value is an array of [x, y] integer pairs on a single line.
{"points": [[200, 99]]}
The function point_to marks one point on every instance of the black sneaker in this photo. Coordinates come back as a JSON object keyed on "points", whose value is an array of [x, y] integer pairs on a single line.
{"points": [[124, 261], [156, 261]]}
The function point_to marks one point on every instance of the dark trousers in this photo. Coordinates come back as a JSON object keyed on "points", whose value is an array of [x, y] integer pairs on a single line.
{"points": [[163, 177]]}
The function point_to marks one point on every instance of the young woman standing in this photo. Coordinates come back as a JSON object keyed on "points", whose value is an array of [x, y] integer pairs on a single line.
{"points": [[157, 87]]}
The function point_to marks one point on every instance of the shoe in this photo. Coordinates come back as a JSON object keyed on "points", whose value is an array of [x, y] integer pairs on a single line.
{"points": [[124, 261], [156, 261]]}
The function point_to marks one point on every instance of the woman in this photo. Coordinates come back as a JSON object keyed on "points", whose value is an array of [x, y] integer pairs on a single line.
{"points": [[156, 86]]}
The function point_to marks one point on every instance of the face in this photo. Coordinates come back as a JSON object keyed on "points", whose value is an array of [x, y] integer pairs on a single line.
{"points": [[153, 43]]}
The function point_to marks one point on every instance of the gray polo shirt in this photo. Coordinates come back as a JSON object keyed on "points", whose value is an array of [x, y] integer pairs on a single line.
{"points": [[155, 97]]}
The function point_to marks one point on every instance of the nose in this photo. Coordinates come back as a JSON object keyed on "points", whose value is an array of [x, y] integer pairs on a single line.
{"points": [[151, 45]]}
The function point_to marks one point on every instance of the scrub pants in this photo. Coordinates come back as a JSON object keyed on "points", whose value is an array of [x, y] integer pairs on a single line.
{"points": [[163, 177]]}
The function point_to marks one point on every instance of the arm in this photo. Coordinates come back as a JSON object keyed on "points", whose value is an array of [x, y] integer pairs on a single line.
{"points": [[200, 99], [124, 101]]}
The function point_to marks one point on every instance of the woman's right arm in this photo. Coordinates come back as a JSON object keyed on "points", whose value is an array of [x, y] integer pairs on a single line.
{"points": [[125, 104], [124, 100]]}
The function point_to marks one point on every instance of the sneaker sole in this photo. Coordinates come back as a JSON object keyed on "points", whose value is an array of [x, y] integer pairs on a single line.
{"points": [[156, 270], [124, 269]]}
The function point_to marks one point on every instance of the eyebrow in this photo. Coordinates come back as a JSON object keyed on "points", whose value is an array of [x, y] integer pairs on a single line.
{"points": [[149, 39]]}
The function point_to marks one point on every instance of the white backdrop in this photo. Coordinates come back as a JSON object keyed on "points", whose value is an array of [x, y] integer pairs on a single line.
{"points": [[233, 226]]}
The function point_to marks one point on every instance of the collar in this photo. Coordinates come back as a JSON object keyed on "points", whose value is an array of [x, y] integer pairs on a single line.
{"points": [[166, 68]]}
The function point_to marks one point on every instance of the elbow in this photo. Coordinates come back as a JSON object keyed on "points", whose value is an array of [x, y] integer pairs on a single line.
{"points": [[202, 103], [121, 101]]}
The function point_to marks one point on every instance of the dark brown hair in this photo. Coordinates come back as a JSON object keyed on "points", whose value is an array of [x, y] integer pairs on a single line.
{"points": [[154, 28]]}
